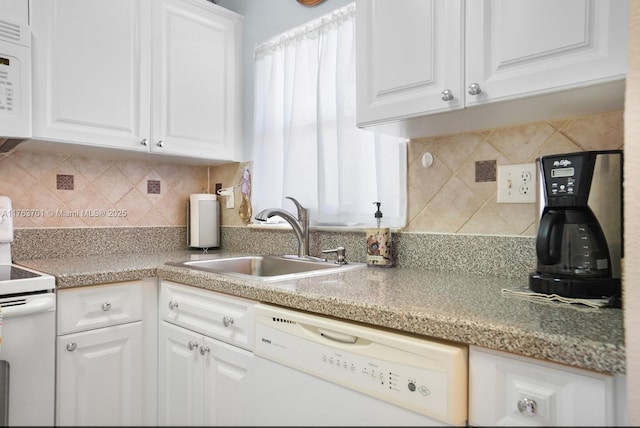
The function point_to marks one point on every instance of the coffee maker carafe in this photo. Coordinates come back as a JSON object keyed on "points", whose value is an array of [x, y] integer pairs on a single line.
{"points": [[579, 238]]}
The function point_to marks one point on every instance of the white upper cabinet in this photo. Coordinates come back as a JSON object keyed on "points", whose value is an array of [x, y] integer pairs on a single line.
{"points": [[428, 65], [143, 76], [518, 48], [408, 53]]}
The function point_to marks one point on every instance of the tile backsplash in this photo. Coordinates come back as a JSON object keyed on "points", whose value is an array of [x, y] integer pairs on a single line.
{"points": [[456, 194], [56, 190]]}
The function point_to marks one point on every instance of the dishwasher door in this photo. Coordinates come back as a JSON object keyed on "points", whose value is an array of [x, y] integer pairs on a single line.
{"points": [[315, 370]]}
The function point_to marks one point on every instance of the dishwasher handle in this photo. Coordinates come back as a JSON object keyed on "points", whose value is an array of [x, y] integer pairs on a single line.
{"points": [[337, 336]]}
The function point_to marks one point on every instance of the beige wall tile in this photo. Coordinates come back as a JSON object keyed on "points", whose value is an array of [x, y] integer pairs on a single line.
{"points": [[444, 198]]}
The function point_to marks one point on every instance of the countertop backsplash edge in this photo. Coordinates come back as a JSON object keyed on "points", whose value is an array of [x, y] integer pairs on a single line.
{"points": [[510, 256]]}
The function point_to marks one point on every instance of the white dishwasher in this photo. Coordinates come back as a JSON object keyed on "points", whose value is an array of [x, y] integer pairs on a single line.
{"points": [[316, 370]]}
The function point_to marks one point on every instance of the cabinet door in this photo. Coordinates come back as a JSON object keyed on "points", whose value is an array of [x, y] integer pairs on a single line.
{"points": [[91, 72], [513, 390], [408, 53], [196, 76], [179, 376], [99, 379], [517, 48], [228, 378]]}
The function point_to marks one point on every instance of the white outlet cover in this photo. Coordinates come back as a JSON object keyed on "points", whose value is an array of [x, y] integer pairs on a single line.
{"points": [[517, 183]]}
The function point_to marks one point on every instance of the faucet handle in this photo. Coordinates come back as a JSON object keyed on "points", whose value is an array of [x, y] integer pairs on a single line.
{"points": [[302, 211], [341, 259]]}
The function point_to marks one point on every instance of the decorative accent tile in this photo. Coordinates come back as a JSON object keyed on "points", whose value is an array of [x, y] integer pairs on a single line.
{"points": [[64, 182], [485, 171], [153, 186]]}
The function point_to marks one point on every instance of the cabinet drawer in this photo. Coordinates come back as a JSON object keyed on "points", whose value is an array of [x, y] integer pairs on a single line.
{"points": [[506, 389], [98, 306], [227, 318]]}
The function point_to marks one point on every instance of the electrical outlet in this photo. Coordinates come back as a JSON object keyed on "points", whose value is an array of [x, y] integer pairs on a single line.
{"points": [[517, 183]]}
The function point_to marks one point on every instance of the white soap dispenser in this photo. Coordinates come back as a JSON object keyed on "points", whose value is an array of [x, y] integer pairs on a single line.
{"points": [[379, 243]]}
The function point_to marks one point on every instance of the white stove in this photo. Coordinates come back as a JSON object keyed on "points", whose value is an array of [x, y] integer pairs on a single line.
{"points": [[27, 347]]}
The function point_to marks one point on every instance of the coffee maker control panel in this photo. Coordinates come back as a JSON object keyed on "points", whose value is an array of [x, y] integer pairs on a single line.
{"points": [[566, 179]]}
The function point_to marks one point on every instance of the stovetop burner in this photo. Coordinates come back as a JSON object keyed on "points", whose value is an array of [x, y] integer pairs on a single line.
{"points": [[16, 279], [12, 272]]}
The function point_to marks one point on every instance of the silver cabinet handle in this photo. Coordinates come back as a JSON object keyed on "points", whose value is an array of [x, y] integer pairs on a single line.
{"points": [[227, 321], [447, 95], [204, 350], [72, 346], [193, 345], [106, 306], [474, 89], [160, 144], [173, 305], [144, 142], [527, 407]]}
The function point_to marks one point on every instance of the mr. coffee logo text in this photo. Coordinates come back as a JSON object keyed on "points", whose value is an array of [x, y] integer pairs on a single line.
{"points": [[562, 162]]}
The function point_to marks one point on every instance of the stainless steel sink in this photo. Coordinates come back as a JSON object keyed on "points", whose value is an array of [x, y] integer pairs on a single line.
{"points": [[267, 267]]}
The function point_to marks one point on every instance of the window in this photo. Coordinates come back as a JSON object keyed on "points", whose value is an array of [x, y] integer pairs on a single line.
{"points": [[307, 145]]}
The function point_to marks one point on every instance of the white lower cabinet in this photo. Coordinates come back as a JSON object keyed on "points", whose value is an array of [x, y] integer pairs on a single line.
{"points": [[99, 381], [106, 355], [202, 380], [507, 389]]}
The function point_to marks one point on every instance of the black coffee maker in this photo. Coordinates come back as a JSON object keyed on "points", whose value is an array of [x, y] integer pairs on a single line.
{"points": [[579, 239]]}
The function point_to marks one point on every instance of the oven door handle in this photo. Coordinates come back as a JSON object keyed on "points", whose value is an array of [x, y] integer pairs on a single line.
{"points": [[32, 306]]}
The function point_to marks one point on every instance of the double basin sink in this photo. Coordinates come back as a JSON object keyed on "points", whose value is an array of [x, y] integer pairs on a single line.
{"points": [[267, 267]]}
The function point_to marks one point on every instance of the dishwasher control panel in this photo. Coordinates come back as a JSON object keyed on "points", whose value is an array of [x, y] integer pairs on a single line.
{"points": [[424, 376]]}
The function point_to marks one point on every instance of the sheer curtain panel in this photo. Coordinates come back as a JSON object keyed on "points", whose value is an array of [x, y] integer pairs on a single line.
{"points": [[306, 143]]}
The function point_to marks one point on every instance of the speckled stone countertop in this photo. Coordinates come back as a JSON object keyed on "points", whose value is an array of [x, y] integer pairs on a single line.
{"points": [[460, 307]]}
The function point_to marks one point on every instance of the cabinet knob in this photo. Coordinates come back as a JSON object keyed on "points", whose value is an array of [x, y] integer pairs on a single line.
{"points": [[72, 346], [474, 89], [173, 305], [144, 142], [527, 406], [160, 144], [447, 95], [204, 350], [227, 321], [106, 306], [192, 345]]}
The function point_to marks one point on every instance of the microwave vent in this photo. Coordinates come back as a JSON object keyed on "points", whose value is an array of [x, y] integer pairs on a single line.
{"points": [[9, 31]]}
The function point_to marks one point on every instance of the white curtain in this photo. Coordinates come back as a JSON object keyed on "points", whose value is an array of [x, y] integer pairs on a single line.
{"points": [[306, 142]]}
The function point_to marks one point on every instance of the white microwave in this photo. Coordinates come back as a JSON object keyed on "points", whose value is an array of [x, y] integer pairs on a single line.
{"points": [[15, 83]]}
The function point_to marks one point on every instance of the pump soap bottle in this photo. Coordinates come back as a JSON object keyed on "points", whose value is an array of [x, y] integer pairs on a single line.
{"points": [[379, 243]]}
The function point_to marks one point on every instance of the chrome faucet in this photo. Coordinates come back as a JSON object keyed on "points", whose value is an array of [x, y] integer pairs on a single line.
{"points": [[300, 225]]}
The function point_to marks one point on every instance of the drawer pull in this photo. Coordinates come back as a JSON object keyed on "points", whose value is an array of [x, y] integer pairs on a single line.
{"points": [[204, 350], [106, 306], [527, 407], [173, 305], [227, 321], [193, 345], [72, 346]]}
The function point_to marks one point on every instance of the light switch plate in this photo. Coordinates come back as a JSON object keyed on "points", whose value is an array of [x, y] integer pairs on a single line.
{"points": [[517, 183]]}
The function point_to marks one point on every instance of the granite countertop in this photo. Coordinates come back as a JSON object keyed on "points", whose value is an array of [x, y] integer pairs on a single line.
{"points": [[458, 307]]}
